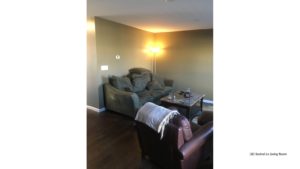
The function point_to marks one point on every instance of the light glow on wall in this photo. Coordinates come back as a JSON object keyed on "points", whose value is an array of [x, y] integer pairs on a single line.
{"points": [[90, 25], [159, 29], [154, 48]]}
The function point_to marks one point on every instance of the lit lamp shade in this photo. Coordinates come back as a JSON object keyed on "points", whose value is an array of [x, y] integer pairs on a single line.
{"points": [[155, 49]]}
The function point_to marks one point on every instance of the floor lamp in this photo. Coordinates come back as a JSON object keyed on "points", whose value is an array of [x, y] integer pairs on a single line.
{"points": [[154, 51]]}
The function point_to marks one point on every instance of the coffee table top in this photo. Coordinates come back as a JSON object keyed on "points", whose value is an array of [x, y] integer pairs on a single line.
{"points": [[181, 100]]}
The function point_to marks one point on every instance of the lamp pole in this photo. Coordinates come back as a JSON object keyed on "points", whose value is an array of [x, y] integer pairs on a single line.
{"points": [[154, 50], [154, 63]]}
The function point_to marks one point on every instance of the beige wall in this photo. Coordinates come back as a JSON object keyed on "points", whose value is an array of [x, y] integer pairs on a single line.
{"points": [[116, 39], [187, 57], [92, 83]]}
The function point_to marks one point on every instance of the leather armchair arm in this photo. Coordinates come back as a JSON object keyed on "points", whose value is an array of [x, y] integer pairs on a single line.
{"points": [[121, 101], [197, 141]]}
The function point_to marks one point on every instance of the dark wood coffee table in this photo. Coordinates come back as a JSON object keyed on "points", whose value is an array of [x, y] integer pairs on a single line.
{"points": [[181, 102]]}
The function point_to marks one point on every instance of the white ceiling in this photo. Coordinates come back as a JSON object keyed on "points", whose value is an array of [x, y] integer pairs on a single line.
{"points": [[155, 15]]}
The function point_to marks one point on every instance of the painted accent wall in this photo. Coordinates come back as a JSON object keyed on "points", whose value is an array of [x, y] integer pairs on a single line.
{"points": [[187, 57], [117, 39]]}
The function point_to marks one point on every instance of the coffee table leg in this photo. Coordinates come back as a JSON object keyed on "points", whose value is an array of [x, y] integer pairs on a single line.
{"points": [[188, 113], [201, 104]]}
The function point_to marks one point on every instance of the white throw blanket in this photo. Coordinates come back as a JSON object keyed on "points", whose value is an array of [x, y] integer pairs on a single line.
{"points": [[155, 116]]}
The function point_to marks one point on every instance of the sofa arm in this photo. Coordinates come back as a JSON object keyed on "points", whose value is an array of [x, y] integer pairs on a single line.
{"points": [[169, 82], [120, 101], [197, 141]]}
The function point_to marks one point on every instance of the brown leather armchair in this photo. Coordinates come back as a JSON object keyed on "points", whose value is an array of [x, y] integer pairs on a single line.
{"points": [[205, 117], [182, 146]]}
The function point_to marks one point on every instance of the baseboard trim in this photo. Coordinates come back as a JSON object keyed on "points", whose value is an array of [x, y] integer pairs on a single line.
{"points": [[93, 108], [208, 101], [102, 109], [96, 109]]}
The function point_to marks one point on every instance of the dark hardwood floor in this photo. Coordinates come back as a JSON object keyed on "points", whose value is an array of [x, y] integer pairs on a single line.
{"points": [[112, 143]]}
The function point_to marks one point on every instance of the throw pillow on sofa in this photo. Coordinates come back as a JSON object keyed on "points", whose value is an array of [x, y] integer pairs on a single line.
{"points": [[139, 71], [122, 83], [140, 81]]}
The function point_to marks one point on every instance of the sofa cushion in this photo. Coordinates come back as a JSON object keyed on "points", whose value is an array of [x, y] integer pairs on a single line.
{"points": [[157, 94], [154, 85], [159, 79], [144, 96], [140, 81], [122, 83]]}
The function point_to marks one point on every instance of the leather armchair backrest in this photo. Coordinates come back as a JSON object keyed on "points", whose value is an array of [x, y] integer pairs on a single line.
{"points": [[183, 123], [205, 117]]}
